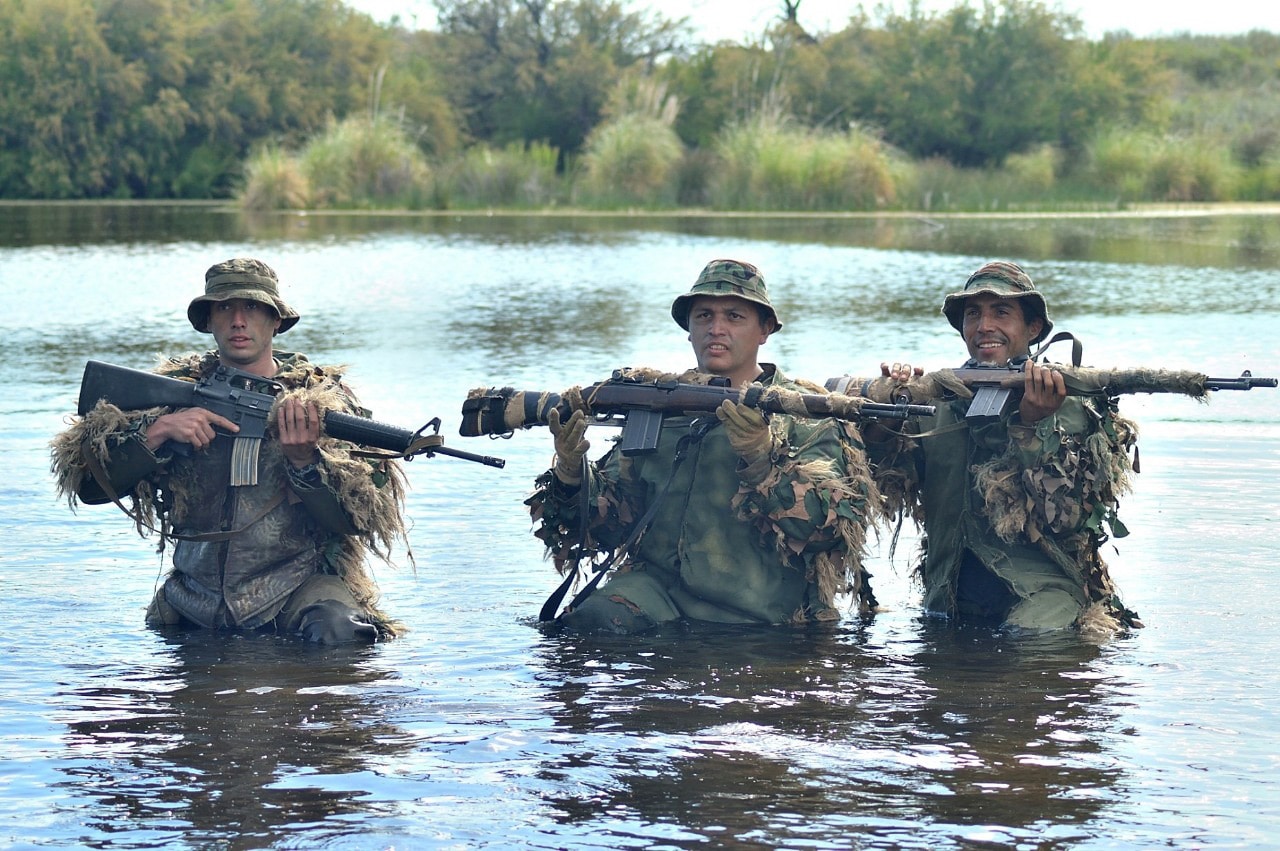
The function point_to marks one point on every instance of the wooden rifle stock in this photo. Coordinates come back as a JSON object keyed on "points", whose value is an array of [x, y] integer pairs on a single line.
{"points": [[641, 402], [993, 386]]}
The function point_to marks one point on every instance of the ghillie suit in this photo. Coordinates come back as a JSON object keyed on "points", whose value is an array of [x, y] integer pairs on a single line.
{"points": [[1033, 504], [724, 543], [240, 552]]}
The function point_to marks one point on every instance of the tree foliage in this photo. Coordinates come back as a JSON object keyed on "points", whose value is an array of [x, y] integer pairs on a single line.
{"points": [[536, 70], [168, 98]]}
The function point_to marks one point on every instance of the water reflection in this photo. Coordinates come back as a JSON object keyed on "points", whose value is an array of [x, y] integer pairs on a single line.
{"points": [[1196, 237], [233, 740], [769, 736]]}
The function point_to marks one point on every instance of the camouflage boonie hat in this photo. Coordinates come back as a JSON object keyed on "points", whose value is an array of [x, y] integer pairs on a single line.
{"points": [[721, 278], [244, 278], [1005, 280]]}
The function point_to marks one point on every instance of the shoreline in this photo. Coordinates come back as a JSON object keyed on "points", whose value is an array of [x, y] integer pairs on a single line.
{"points": [[1132, 211]]}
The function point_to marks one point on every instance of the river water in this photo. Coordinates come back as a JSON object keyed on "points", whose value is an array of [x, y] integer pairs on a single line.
{"points": [[477, 730]]}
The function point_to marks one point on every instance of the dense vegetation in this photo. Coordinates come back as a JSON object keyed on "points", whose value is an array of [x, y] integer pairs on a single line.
{"points": [[531, 103]]}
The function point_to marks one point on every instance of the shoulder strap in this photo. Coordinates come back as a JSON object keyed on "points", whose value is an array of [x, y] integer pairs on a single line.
{"points": [[1077, 348], [549, 608]]}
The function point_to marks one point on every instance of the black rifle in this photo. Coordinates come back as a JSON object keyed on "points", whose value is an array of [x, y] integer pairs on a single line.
{"points": [[639, 404], [246, 400], [995, 385]]}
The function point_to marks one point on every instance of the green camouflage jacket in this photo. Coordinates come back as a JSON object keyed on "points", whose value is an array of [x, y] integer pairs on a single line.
{"points": [[1034, 504], [779, 551]]}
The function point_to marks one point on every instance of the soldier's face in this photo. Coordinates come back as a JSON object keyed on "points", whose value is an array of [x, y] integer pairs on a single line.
{"points": [[243, 329], [727, 333], [996, 330]]}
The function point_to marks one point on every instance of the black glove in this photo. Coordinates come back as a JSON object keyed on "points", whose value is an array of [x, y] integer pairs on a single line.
{"points": [[334, 622]]}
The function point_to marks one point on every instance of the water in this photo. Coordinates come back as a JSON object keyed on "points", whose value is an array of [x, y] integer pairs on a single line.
{"points": [[476, 730]]}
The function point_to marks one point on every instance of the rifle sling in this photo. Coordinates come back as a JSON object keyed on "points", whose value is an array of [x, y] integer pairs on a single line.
{"points": [[100, 476], [1077, 348], [549, 608]]}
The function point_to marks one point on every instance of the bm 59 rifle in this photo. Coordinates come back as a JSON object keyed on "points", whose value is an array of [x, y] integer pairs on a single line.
{"points": [[246, 400], [639, 399], [993, 386]]}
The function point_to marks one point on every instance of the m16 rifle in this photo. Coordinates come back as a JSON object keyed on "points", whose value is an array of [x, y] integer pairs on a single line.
{"points": [[246, 400], [994, 386], [639, 399]]}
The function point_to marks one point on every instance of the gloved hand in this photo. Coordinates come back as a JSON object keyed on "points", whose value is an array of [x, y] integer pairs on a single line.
{"points": [[571, 446], [334, 622], [749, 436]]}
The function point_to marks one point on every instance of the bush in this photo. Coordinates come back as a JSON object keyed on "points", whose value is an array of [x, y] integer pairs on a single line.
{"points": [[632, 160], [273, 181], [365, 164]]}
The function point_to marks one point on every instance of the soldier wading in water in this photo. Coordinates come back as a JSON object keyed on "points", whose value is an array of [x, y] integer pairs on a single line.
{"points": [[286, 553], [1015, 508], [735, 518]]}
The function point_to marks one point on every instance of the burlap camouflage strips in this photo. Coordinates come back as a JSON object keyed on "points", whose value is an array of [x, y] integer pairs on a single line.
{"points": [[372, 492], [811, 511]]}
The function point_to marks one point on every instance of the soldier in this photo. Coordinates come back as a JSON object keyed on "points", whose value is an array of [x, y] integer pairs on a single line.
{"points": [[735, 518], [285, 553], [1014, 510]]}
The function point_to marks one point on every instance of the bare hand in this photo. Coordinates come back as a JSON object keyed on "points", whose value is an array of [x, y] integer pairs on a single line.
{"points": [[900, 372], [195, 426], [1043, 393], [299, 426]]}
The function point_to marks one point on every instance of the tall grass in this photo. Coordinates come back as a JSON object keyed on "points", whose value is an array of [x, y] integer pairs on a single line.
{"points": [[516, 176], [630, 161], [1145, 166], [632, 158], [365, 163], [273, 181], [356, 163], [767, 164]]}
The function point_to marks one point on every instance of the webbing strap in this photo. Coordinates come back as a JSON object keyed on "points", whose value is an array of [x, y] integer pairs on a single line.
{"points": [[1077, 348], [549, 608]]}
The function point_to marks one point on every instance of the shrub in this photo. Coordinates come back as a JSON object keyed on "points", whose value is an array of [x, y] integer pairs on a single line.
{"points": [[631, 160], [273, 181], [363, 163]]}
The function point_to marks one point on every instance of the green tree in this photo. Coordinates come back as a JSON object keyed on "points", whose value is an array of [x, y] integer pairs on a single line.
{"points": [[62, 89], [529, 70]]}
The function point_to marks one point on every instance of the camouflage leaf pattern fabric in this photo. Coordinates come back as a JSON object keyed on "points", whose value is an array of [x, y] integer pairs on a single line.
{"points": [[808, 516]]}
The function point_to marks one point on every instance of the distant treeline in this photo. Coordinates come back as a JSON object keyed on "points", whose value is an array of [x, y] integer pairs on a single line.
{"points": [[295, 103]]}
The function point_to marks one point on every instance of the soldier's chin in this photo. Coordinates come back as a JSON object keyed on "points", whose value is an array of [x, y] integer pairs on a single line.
{"points": [[991, 355]]}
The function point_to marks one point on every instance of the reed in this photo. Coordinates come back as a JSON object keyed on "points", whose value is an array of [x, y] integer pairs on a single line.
{"points": [[517, 176], [630, 161], [1146, 166], [363, 163], [768, 164], [273, 181]]}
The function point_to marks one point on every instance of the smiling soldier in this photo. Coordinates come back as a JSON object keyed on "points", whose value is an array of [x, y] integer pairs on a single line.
{"points": [[1013, 507]]}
